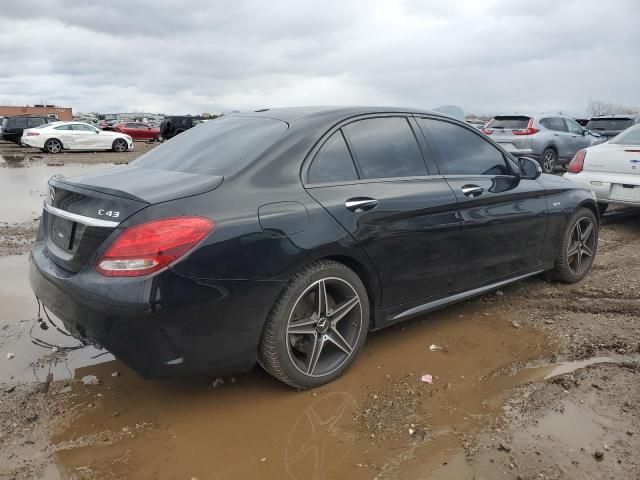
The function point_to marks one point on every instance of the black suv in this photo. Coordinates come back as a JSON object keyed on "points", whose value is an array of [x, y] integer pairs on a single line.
{"points": [[12, 127], [172, 126], [608, 126]]}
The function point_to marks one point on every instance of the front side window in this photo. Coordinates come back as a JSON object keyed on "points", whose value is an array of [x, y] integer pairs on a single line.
{"points": [[573, 127], [333, 163], [385, 148], [82, 128], [462, 151]]}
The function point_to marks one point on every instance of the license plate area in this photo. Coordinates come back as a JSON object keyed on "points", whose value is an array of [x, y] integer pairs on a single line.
{"points": [[625, 192], [62, 231]]}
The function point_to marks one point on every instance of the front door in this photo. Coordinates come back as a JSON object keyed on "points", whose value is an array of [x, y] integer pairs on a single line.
{"points": [[402, 217], [503, 219], [85, 137], [578, 138]]}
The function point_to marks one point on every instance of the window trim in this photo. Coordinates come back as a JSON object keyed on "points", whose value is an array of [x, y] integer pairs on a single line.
{"points": [[313, 153], [317, 153], [438, 157]]}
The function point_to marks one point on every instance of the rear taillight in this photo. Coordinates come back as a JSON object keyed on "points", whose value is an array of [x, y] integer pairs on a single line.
{"points": [[577, 163], [527, 131], [32, 134], [487, 131], [151, 246]]}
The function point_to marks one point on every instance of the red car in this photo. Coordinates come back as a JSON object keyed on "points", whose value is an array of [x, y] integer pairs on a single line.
{"points": [[137, 131]]}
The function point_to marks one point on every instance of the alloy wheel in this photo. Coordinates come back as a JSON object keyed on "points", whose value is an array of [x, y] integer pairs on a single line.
{"points": [[548, 162], [54, 146], [582, 245], [324, 326], [120, 146]]}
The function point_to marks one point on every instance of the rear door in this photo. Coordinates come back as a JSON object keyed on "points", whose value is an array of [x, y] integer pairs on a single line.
{"points": [[503, 219], [562, 140], [372, 177]]}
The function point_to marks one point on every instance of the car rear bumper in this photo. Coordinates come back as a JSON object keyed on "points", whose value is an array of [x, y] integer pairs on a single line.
{"points": [[601, 184], [161, 325]]}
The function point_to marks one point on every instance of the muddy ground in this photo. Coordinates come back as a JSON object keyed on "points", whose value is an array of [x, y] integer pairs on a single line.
{"points": [[536, 381]]}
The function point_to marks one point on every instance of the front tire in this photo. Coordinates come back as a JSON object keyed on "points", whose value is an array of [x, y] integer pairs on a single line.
{"points": [[548, 160], [578, 248], [316, 327], [119, 145], [53, 146]]}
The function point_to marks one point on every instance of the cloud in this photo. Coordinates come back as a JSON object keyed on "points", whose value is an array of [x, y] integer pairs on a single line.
{"points": [[490, 56]]}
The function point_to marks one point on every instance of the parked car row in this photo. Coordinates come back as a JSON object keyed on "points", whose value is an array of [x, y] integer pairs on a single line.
{"points": [[55, 137], [550, 139]]}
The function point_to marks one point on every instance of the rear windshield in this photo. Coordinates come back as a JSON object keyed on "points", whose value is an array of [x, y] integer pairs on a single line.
{"points": [[509, 123], [218, 147], [628, 137], [609, 124]]}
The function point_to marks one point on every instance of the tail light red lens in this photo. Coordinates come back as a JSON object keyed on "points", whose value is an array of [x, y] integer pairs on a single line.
{"points": [[527, 131], [32, 134], [151, 246], [577, 163], [487, 131]]}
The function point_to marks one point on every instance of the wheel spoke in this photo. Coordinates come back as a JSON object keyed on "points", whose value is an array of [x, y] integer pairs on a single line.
{"points": [[318, 345], [321, 301], [303, 327], [339, 341], [579, 262], [573, 250], [587, 251], [587, 232], [342, 310]]}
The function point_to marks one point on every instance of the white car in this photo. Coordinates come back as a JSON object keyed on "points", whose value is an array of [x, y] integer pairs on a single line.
{"points": [[611, 170], [58, 136]]}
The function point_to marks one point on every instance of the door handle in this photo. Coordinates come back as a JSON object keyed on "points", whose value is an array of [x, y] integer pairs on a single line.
{"points": [[472, 190], [361, 204]]}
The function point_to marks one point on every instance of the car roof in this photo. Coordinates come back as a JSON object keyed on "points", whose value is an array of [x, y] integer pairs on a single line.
{"points": [[616, 116], [293, 114]]}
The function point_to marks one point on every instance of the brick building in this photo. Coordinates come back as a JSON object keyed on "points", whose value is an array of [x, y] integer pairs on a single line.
{"points": [[61, 113]]}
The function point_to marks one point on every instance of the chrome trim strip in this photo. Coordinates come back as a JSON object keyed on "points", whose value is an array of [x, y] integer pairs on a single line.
{"points": [[460, 296], [74, 217], [360, 203]]}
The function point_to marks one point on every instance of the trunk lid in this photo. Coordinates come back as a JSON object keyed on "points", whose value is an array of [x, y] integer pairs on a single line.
{"points": [[613, 158], [81, 212]]}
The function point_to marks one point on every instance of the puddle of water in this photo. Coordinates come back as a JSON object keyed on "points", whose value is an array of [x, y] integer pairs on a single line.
{"points": [[258, 428], [23, 190], [17, 316]]}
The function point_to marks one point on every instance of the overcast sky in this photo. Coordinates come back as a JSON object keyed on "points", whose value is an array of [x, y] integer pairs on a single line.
{"points": [[186, 56]]}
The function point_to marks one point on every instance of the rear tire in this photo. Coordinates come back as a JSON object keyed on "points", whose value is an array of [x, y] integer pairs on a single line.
{"points": [[119, 145], [548, 160], [53, 146], [307, 341], [578, 248]]}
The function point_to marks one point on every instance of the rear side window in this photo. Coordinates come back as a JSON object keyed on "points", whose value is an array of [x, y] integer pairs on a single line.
{"points": [[512, 122], [462, 151], [34, 122], [19, 122], [385, 148], [333, 163], [609, 124], [554, 123], [64, 127], [219, 147], [631, 136]]}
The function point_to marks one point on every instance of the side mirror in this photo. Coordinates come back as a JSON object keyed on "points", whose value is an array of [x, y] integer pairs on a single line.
{"points": [[528, 168]]}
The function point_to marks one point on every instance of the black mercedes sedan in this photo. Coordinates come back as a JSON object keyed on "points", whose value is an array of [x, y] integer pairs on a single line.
{"points": [[283, 236]]}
